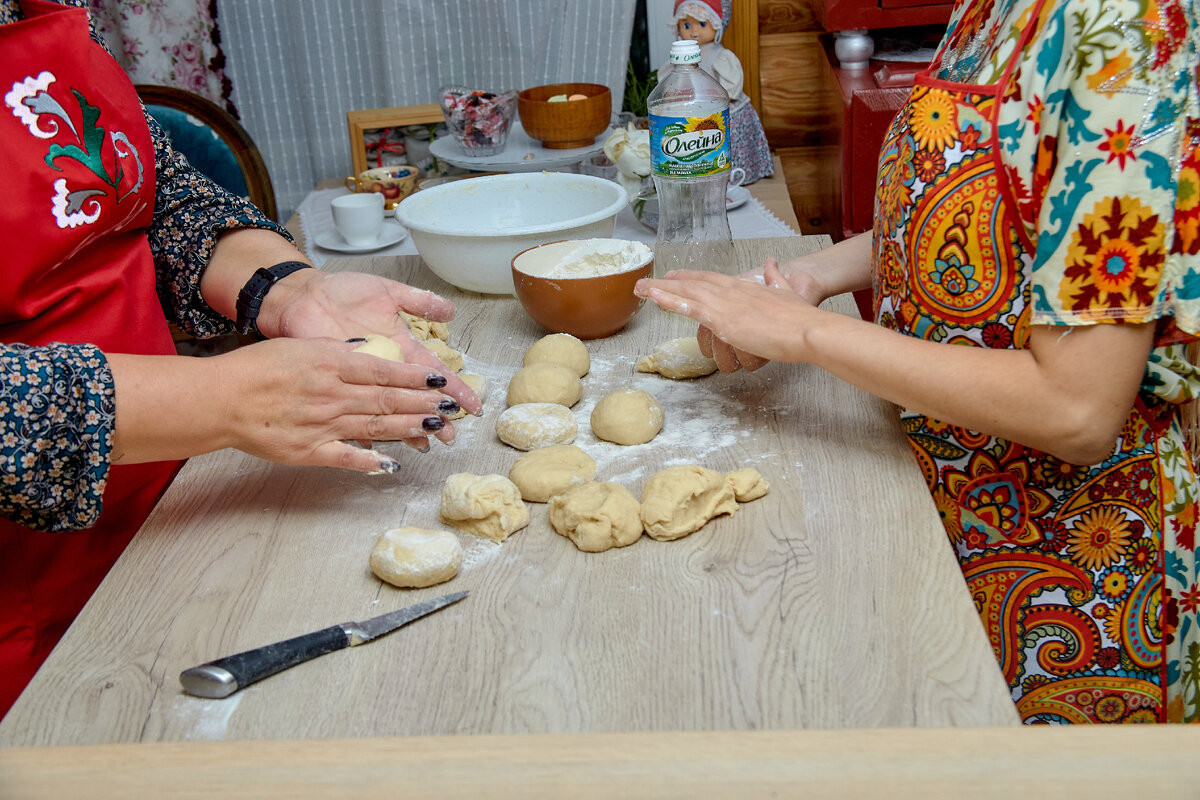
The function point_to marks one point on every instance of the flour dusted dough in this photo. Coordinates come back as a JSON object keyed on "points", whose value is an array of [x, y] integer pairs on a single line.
{"points": [[381, 346], [422, 328], [627, 416], [445, 353], [547, 471], [484, 505], [748, 484], [680, 500], [528, 426], [560, 348], [597, 516], [678, 359], [413, 557], [478, 384], [545, 382]]}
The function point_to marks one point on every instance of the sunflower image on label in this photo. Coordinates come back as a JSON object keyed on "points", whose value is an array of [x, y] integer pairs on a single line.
{"points": [[689, 146]]}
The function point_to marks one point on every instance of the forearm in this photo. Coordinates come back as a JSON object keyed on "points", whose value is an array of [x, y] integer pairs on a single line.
{"points": [[235, 258], [844, 267]]}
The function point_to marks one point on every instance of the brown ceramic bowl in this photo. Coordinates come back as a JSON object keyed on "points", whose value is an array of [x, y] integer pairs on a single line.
{"points": [[587, 308], [566, 124]]}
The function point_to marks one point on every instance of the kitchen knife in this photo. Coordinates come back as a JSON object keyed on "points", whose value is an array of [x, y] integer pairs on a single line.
{"points": [[225, 676]]}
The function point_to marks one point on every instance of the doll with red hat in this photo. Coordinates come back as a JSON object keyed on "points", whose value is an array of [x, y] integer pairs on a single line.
{"points": [[705, 21]]}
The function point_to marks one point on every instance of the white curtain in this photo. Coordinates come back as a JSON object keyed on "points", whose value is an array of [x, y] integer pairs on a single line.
{"points": [[299, 65]]}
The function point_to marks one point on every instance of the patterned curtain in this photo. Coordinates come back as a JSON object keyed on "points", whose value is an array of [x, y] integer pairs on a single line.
{"points": [[167, 43]]}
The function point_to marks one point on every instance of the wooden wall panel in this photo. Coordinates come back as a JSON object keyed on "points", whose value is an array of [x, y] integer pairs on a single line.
{"points": [[798, 104]]}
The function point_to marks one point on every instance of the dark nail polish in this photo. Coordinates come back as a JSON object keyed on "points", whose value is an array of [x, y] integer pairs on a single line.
{"points": [[356, 340], [433, 423], [435, 381], [388, 466], [447, 407]]}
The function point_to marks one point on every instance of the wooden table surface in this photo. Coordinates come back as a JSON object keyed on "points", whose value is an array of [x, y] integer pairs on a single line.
{"points": [[833, 602]]}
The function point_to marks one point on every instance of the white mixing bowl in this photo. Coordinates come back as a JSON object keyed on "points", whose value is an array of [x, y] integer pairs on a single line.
{"points": [[468, 231]]}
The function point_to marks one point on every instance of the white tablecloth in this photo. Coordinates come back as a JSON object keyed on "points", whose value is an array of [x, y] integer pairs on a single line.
{"points": [[750, 221]]}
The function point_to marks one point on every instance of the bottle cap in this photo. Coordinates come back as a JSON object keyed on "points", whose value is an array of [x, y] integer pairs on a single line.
{"points": [[685, 51]]}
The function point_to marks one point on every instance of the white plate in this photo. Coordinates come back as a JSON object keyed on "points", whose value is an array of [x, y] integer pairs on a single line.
{"points": [[520, 153], [392, 233], [735, 197]]}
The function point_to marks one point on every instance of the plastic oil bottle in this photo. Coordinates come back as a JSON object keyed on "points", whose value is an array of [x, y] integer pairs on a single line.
{"points": [[690, 163]]}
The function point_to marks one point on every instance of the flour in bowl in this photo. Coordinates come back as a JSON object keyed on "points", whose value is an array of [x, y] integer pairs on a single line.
{"points": [[591, 258]]}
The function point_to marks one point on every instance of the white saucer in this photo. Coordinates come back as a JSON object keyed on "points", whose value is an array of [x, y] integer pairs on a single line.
{"points": [[736, 196], [392, 233]]}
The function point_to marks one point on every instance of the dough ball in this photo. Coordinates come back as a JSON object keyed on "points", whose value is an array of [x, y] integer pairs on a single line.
{"points": [[545, 382], [528, 426], [422, 328], [597, 516], [680, 500], [381, 346], [484, 505], [447, 354], [748, 484], [548, 471], [412, 557], [627, 416], [478, 384], [678, 359], [560, 348]]}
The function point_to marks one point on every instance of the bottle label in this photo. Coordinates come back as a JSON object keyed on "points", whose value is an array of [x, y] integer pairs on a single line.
{"points": [[683, 147]]}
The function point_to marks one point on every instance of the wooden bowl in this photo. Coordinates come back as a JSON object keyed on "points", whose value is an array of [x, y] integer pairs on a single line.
{"points": [[569, 124], [586, 308]]}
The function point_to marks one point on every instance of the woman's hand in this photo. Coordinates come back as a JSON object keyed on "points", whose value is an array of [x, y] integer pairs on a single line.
{"points": [[346, 305]]}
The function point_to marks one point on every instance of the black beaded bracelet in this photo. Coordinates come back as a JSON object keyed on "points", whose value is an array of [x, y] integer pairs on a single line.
{"points": [[250, 299]]}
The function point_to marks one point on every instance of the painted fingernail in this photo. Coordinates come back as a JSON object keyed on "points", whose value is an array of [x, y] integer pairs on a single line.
{"points": [[387, 466], [447, 407], [356, 340], [435, 381], [433, 423]]}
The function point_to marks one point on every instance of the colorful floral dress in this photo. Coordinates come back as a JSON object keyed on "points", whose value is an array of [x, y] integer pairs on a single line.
{"points": [[1045, 172]]}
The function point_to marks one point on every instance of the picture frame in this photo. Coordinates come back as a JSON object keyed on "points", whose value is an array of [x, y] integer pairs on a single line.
{"points": [[361, 123]]}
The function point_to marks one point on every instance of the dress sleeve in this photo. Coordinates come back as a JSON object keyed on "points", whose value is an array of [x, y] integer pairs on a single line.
{"points": [[56, 422], [727, 69], [1099, 128]]}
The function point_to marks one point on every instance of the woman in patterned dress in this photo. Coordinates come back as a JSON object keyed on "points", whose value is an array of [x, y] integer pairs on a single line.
{"points": [[1038, 204]]}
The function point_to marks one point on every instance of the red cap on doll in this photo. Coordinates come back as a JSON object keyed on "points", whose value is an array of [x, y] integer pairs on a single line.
{"points": [[706, 10]]}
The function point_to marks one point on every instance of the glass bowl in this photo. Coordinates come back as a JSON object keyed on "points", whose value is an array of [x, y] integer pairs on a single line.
{"points": [[478, 120]]}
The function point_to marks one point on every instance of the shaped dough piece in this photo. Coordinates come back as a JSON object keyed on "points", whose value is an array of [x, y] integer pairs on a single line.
{"points": [[528, 426], [410, 558], [680, 500], [560, 348], [478, 384], [380, 346], [548, 471], [422, 328], [445, 353], [627, 416], [678, 359], [545, 382], [484, 505], [597, 516], [748, 484]]}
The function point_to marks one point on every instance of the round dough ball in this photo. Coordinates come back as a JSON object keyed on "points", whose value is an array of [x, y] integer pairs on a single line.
{"points": [[484, 505], [597, 516], [560, 348], [627, 416], [548, 471], [380, 346], [445, 353], [545, 382], [413, 557], [680, 500], [529, 426], [422, 328], [678, 359], [748, 484], [478, 384]]}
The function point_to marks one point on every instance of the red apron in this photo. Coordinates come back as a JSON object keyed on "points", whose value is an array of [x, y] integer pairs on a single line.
{"points": [[76, 268]]}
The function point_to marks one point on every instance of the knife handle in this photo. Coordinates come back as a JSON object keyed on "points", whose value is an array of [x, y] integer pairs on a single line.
{"points": [[225, 676]]}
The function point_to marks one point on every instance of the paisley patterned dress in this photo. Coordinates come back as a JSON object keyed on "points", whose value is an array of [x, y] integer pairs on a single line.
{"points": [[1045, 172]]}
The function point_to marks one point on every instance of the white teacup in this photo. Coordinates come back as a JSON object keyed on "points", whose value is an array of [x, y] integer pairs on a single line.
{"points": [[358, 218], [736, 176]]}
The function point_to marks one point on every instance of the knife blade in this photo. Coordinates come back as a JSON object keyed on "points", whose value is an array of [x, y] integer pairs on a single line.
{"points": [[223, 677]]}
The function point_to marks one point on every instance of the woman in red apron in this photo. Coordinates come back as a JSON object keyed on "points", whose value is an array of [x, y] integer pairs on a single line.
{"points": [[1040, 182], [103, 225]]}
